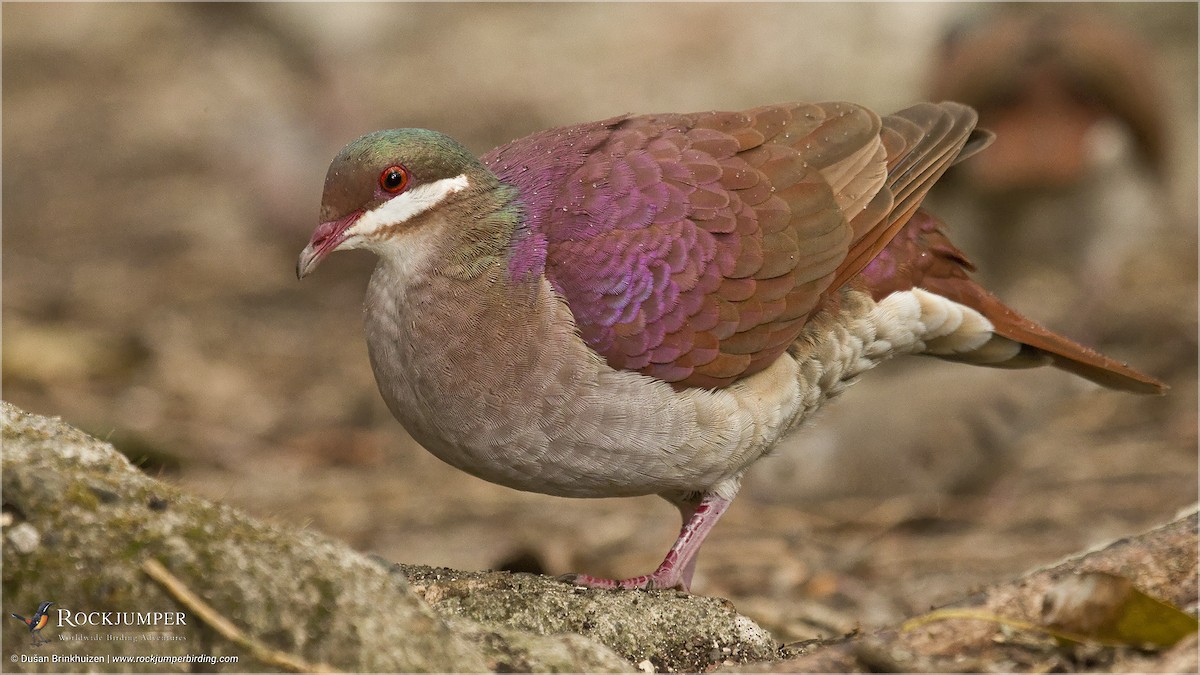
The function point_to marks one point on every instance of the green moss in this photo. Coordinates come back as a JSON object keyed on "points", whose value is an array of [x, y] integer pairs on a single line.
{"points": [[322, 611], [77, 494]]}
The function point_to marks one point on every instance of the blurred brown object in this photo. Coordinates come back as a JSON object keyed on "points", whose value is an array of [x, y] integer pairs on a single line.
{"points": [[1042, 78], [1077, 184]]}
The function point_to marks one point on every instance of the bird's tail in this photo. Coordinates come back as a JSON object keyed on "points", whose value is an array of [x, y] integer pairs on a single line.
{"points": [[922, 257]]}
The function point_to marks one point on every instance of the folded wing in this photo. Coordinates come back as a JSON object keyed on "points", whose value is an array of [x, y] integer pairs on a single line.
{"points": [[693, 248]]}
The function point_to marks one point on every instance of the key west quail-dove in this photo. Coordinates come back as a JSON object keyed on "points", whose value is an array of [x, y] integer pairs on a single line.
{"points": [[648, 304]]}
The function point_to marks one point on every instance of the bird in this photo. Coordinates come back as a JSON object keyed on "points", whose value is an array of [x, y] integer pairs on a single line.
{"points": [[1082, 156], [36, 622], [648, 304]]}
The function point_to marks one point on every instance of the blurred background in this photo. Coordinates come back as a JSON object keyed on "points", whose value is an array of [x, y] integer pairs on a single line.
{"points": [[162, 168]]}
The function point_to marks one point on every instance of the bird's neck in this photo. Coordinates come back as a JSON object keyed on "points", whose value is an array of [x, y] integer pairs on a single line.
{"points": [[466, 265], [489, 236]]}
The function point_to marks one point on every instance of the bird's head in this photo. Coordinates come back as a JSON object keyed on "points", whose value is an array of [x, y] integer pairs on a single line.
{"points": [[381, 184]]}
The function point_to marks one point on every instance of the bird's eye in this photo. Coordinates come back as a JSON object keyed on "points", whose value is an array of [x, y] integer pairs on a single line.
{"points": [[394, 179]]}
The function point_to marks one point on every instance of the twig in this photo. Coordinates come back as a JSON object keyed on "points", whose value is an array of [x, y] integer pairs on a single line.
{"points": [[225, 628], [978, 615]]}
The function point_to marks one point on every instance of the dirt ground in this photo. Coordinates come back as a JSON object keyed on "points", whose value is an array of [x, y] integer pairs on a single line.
{"points": [[162, 167]]}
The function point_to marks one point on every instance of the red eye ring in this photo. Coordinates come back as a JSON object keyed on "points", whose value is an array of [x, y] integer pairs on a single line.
{"points": [[394, 179]]}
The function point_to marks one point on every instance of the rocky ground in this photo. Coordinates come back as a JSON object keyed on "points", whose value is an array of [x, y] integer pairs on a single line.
{"points": [[258, 596], [162, 167]]}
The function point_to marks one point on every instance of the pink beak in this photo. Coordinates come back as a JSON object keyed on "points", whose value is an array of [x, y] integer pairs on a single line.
{"points": [[325, 239]]}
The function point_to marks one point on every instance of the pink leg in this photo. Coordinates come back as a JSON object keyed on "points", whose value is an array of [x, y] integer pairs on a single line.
{"points": [[679, 564]]}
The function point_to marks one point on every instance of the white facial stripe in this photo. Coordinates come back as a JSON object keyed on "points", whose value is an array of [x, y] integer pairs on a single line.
{"points": [[407, 206]]}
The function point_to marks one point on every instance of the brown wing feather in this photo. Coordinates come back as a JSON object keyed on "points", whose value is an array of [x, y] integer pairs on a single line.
{"points": [[788, 260], [769, 208], [922, 142], [692, 248]]}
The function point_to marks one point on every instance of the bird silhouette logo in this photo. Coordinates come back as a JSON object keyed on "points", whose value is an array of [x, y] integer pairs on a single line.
{"points": [[37, 622]]}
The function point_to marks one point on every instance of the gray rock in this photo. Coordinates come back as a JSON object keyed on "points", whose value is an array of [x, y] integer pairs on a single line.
{"points": [[295, 591], [671, 630]]}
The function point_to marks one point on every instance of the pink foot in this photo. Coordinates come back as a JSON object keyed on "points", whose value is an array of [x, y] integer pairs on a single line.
{"points": [[646, 582], [667, 575], [677, 567]]}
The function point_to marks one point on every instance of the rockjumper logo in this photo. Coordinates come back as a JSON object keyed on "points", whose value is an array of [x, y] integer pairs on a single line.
{"points": [[36, 622], [85, 619]]}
